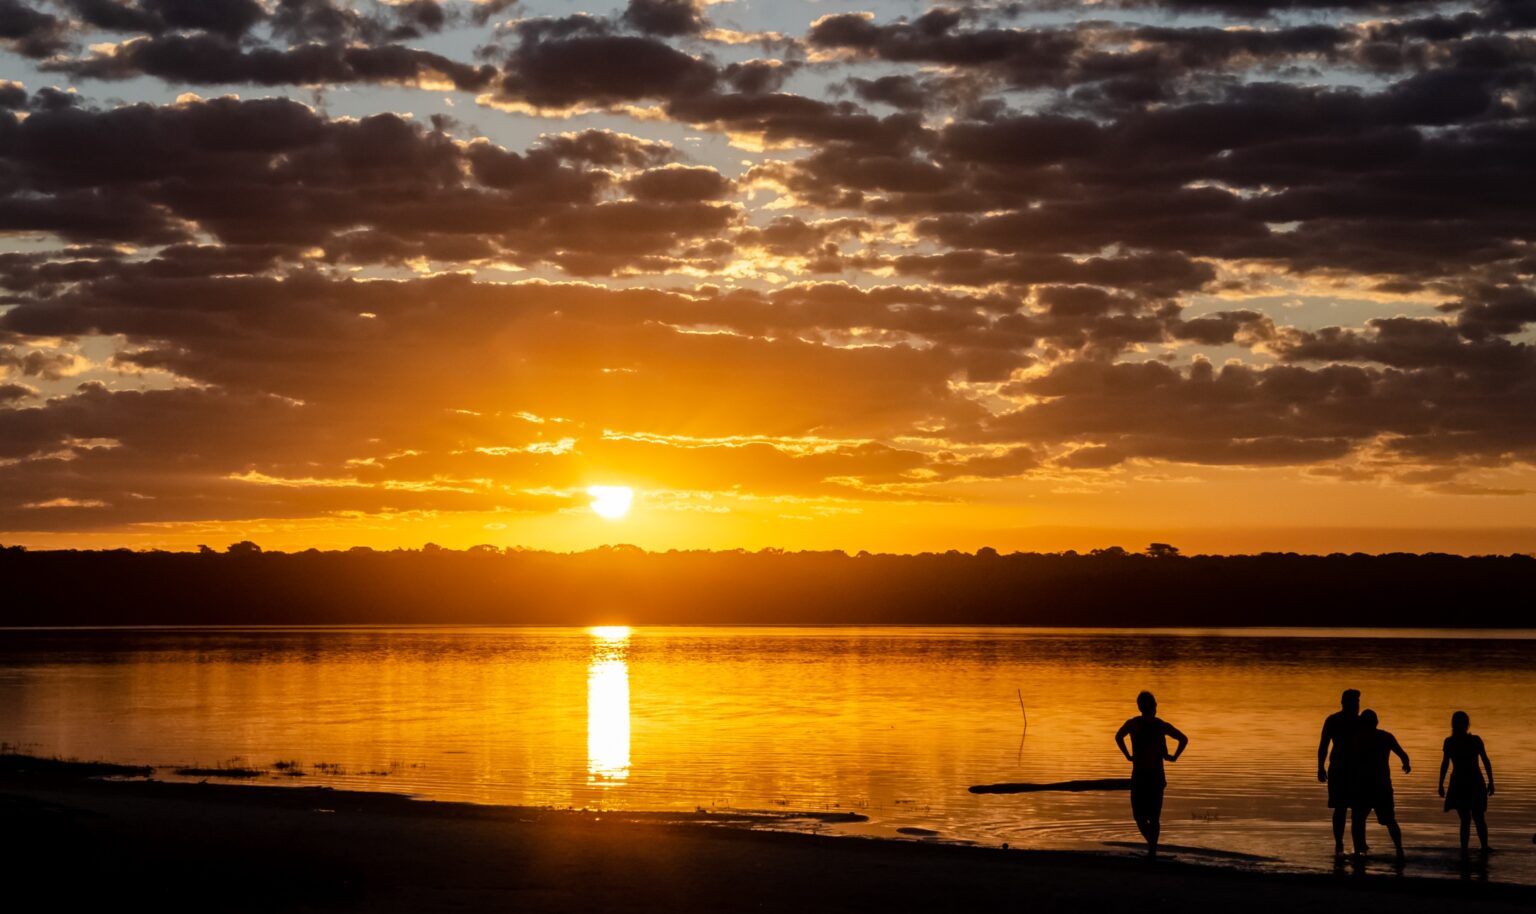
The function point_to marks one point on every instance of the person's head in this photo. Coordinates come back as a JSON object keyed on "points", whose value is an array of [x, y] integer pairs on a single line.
{"points": [[1460, 722], [1350, 701], [1368, 719], [1146, 703]]}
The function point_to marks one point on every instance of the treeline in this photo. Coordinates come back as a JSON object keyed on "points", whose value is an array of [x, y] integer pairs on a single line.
{"points": [[624, 584]]}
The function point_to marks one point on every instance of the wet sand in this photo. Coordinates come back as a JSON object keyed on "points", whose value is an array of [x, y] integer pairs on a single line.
{"points": [[72, 842]]}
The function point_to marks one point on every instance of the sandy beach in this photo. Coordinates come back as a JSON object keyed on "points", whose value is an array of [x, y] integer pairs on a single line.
{"points": [[70, 841]]}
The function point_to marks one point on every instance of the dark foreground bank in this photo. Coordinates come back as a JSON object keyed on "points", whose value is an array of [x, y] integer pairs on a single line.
{"points": [[72, 842]]}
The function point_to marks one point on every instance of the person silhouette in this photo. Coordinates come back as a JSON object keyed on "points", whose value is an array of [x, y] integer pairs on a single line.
{"points": [[1373, 780], [1468, 794], [1333, 768], [1148, 751]]}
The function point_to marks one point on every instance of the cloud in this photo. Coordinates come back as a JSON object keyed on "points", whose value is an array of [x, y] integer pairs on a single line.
{"points": [[12, 392], [273, 173], [668, 18], [29, 32], [212, 59], [903, 259]]}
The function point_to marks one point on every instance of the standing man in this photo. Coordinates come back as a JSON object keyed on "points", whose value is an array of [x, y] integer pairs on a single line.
{"points": [[1374, 749], [1336, 770], [1149, 749]]}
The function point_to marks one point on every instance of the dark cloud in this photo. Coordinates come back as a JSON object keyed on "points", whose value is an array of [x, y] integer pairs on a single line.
{"points": [[756, 77], [13, 96], [1025, 57], [1252, 8], [678, 183], [302, 42], [276, 173], [1280, 415], [668, 18], [898, 91], [30, 32], [608, 149], [116, 15], [559, 64], [12, 392], [207, 59], [1410, 343], [228, 18], [1490, 311], [42, 364]]}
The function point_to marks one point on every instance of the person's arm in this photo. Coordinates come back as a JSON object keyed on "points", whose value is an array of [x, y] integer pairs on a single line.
{"points": [[1183, 740], [1322, 756], [1398, 748], [1445, 764], [1120, 735], [1482, 752]]}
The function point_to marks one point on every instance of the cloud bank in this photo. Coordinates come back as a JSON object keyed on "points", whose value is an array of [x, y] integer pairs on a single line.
{"points": [[832, 261]]}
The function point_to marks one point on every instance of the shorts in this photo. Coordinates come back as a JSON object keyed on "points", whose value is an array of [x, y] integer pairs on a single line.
{"points": [[1340, 789], [1382, 804], [1147, 800]]}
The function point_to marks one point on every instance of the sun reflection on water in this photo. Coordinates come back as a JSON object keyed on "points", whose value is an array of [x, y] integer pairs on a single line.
{"points": [[608, 705]]}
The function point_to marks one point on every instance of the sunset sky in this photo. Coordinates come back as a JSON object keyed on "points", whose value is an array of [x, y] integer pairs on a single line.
{"points": [[1233, 274]]}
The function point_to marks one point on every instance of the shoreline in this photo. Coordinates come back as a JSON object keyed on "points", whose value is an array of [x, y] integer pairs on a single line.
{"points": [[217, 846]]}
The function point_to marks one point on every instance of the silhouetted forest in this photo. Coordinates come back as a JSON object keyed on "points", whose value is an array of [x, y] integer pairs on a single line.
{"points": [[623, 584]]}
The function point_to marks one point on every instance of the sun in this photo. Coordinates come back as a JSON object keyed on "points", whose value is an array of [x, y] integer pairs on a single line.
{"points": [[611, 502]]}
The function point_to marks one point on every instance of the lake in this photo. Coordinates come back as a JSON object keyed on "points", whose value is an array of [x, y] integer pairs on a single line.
{"points": [[892, 723]]}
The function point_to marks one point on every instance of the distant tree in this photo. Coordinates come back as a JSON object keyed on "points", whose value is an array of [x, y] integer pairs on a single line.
{"points": [[204, 549], [986, 552], [1109, 552], [13, 549], [1162, 551], [244, 547], [431, 547]]}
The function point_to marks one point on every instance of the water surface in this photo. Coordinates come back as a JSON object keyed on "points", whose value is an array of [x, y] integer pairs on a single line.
{"points": [[893, 723]]}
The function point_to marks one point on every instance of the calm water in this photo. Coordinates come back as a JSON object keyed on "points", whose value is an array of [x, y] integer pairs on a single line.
{"points": [[893, 723]]}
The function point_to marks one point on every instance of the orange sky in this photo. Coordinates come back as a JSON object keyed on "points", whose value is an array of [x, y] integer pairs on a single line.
{"points": [[801, 276]]}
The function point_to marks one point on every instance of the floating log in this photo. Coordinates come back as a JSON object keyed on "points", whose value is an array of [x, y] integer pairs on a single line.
{"points": [[1066, 786]]}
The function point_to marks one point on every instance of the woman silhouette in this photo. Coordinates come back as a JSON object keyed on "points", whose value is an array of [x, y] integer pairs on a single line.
{"points": [[1468, 794]]}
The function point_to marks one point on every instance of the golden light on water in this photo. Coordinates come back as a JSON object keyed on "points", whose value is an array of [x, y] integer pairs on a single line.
{"points": [[611, 502], [608, 705]]}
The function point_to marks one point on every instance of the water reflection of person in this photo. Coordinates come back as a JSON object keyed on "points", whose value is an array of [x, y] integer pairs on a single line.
{"points": [[1468, 794], [1334, 769], [1148, 751], [1373, 780]]}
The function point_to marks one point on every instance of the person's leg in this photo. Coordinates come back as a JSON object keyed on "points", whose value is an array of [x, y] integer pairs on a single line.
{"points": [[1481, 819], [1357, 828], [1155, 826], [1140, 814], [1466, 828], [1339, 815], [1388, 818]]}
